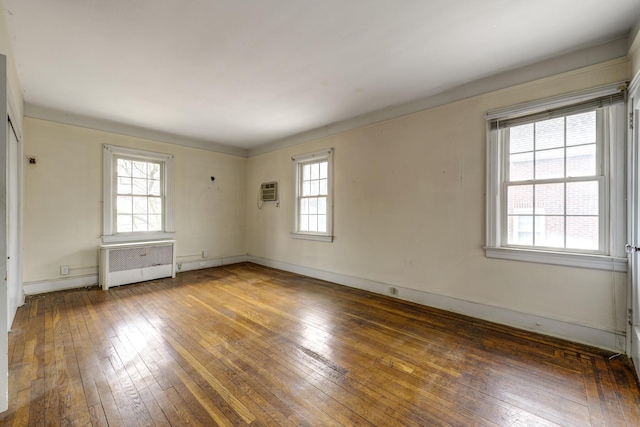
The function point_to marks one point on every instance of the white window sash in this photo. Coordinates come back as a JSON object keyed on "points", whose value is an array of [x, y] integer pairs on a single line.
{"points": [[297, 163], [109, 232], [609, 149]]}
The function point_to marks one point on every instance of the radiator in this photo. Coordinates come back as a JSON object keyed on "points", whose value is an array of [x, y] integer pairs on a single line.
{"points": [[125, 263]]}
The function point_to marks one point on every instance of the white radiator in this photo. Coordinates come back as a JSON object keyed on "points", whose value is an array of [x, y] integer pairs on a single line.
{"points": [[125, 263]]}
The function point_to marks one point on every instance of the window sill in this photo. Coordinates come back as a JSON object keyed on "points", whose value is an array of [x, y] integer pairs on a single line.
{"points": [[316, 237], [594, 262], [136, 237]]}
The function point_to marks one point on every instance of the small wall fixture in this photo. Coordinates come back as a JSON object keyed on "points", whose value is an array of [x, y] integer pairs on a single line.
{"points": [[32, 160]]}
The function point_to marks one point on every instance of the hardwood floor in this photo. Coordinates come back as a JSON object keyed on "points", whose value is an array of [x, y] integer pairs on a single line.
{"points": [[245, 344]]}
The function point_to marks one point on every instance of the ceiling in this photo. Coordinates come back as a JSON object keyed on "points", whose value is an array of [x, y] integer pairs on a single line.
{"points": [[249, 72]]}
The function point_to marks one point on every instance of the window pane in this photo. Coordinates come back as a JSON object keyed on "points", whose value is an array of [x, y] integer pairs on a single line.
{"points": [[155, 205], [583, 198], [315, 188], [322, 205], [549, 133], [581, 128], [124, 204], [519, 197], [153, 171], [124, 224], [124, 185], [313, 205], [155, 222], [322, 223], [315, 171], [521, 138], [139, 186], [306, 172], [324, 170], [154, 188], [520, 167], [520, 230], [549, 231], [139, 169], [304, 206], [124, 167], [323, 187], [583, 232], [140, 223], [139, 205], [304, 222], [549, 164], [581, 160], [549, 199], [313, 222]]}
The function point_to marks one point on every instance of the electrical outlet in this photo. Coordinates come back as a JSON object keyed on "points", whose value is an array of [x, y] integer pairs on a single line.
{"points": [[393, 291], [64, 270], [204, 254]]}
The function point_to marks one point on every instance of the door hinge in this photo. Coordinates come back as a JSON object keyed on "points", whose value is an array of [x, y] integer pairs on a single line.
{"points": [[631, 120]]}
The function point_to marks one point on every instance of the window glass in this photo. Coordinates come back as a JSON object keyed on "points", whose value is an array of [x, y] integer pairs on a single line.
{"points": [[552, 185]]}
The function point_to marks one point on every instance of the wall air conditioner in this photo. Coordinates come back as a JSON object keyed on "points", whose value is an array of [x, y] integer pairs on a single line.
{"points": [[269, 191], [125, 263]]}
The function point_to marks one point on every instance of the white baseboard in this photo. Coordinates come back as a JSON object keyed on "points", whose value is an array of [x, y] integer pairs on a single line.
{"points": [[42, 286], [197, 265], [608, 340]]}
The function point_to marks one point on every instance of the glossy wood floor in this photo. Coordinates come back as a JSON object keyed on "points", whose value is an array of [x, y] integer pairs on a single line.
{"points": [[248, 345]]}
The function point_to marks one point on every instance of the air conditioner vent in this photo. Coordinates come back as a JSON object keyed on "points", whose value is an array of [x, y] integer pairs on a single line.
{"points": [[269, 191]]}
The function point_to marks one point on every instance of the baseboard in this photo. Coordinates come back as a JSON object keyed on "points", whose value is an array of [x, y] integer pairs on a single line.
{"points": [[197, 265], [608, 340], [42, 286]]}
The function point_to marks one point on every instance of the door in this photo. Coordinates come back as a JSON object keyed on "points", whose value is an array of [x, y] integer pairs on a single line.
{"points": [[633, 222], [15, 294]]}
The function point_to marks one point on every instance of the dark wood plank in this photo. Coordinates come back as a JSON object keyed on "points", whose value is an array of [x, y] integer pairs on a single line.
{"points": [[248, 345]]}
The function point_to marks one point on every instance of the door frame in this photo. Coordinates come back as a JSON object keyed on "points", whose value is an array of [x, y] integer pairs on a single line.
{"points": [[633, 223]]}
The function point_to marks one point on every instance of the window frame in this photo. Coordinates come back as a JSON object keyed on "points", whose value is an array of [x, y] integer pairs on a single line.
{"points": [[298, 162], [111, 154], [610, 152]]}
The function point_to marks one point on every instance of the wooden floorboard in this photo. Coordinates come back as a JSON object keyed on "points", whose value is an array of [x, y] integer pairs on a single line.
{"points": [[248, 345]]}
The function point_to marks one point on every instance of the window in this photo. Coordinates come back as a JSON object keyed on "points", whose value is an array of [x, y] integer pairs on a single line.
{"points": [[313, 196], [556, 180], [137, 193]]}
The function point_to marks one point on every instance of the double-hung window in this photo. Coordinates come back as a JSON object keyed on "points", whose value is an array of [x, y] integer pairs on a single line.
{"points": [[313, 196], [137, 195], [556, 180]]}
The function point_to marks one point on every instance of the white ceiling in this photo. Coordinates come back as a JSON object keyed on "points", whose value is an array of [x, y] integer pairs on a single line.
{"points": [[249, 72]]}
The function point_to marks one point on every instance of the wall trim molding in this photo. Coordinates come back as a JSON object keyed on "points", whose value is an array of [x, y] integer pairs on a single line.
{"points": [[59, 116], [584, 334], [64, 283], [218, 262], [43, 286]]}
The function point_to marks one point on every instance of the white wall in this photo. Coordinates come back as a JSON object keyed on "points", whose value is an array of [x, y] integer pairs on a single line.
{"points": [[410, 212], [63, 200], [12, 75]]}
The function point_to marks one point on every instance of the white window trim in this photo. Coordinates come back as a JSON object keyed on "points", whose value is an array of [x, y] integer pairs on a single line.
{"points": [[297, 161], [613, 258], [109, 234]]}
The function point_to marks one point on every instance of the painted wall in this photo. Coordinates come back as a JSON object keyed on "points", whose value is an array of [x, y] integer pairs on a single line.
{"points": [[12, 75], [63, 199], [410, 212]]}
